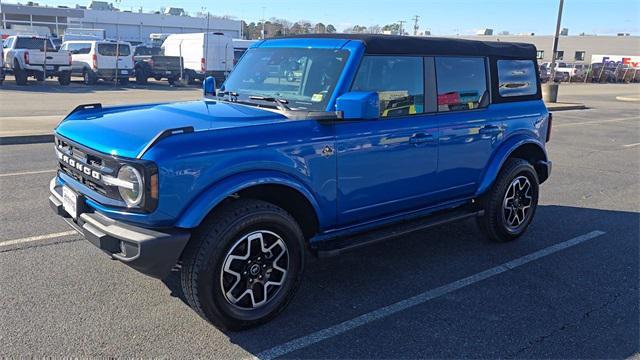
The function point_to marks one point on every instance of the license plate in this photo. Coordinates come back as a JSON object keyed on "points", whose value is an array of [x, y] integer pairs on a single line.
{"points": [[124, 72], [49, 67], [167, 72], [70, 201]]}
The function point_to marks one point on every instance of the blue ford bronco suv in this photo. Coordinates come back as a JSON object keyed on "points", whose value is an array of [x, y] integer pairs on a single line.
{"points": [[371, 138]]}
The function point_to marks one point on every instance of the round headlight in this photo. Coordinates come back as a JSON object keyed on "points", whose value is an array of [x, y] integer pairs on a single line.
{"points": [[132, 195]]}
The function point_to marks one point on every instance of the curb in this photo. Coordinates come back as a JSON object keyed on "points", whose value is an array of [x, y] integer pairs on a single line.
{"points": [[26, 139], [566, 107], [627, 98]]}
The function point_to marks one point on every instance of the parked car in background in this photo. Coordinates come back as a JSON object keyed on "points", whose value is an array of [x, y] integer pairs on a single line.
{"points": [[203, 54], [26, 56], [100, 59], [571, 70], [240, 46], [1, 66], [381, 136], [149, 62], [545, 75]]}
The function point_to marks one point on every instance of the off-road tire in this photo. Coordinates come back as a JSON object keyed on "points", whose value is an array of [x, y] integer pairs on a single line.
{"points": [[40, 76], [123, 81], [492, 222], [204, 257]]}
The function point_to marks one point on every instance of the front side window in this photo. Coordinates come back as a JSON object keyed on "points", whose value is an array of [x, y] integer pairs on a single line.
{"points": [[79, 48], [305, 78], [517, 78], [111, 49], [461, 83], [398, 80]]}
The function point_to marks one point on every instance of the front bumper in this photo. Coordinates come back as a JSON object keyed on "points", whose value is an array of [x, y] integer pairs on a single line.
{"points": [[152, 252]]}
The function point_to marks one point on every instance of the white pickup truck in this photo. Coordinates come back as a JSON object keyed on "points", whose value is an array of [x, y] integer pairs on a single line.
{"points": [[35, 56]]}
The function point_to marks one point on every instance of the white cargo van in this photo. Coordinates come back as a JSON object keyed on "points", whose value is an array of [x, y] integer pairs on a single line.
{"points": [[204, 54]]}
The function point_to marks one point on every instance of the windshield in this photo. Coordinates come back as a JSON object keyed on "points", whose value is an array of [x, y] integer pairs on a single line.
{"points": [[110, 49], [305, 78], [33, 44]]}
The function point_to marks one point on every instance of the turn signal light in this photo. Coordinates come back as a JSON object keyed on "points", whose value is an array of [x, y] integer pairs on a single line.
{"points": [[549, 123], [153, 188]]}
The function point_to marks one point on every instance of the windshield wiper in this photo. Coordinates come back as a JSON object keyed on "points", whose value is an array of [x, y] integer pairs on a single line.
{"points": [[280, 103]]}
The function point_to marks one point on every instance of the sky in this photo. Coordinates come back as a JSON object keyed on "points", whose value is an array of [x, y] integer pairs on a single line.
{"points": [[441, 17]]}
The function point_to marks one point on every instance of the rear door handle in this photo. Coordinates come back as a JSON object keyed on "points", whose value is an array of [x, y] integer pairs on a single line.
{"points": [[420, 138], [490, 130]]}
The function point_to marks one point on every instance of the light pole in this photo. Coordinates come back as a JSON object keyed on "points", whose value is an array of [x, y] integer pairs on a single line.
{"points": [[551, 90]]}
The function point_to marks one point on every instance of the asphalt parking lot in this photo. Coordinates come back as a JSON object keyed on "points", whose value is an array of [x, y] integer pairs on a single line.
{"points": [[567, 289]]}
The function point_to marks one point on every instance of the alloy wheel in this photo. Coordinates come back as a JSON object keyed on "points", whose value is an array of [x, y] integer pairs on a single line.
{"points": [[254, 270], [516, 206]]}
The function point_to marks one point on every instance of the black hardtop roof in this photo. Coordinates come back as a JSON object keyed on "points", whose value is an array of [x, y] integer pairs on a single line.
{"points": [[427, 45]]}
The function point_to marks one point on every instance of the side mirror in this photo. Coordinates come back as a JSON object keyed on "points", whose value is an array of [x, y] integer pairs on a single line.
{"points": [[209, 86], [359, 105]]}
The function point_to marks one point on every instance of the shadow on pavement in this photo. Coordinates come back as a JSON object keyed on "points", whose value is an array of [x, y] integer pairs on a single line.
{"points": [[341, 288]]}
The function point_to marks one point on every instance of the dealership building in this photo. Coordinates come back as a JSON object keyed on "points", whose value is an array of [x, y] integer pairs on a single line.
{"points": [[574, 48], [125, 25]]}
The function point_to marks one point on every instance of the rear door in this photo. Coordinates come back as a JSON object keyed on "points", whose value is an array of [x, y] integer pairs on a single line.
{"points": [[469, 130], [388, 165], [110, 53]]}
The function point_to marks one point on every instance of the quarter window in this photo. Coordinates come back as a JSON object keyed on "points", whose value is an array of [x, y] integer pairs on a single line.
{"points": [[462, 83], [517, 78], [398, 80]]}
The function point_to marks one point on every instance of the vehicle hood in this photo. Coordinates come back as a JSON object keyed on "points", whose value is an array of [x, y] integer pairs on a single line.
{"points": [[126, 130]]}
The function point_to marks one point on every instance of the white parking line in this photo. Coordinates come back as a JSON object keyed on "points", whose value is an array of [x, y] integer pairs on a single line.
{"points": [[4, 243], [28, 173], [595, 122], [631, 145], [389, 310]]}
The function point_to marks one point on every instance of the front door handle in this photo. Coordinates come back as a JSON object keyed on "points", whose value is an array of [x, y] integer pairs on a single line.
{"points": [[420, 138], [490, 130]]}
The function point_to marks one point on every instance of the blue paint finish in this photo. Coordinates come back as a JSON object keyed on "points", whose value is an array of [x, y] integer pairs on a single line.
{"points": [[359, 105], [356, 173]]}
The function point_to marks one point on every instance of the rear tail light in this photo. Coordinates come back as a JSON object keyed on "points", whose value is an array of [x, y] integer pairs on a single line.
{"points": [[95, 61], [151, 63], [203, 65], [70, 59], [26, 57], [549, 123]]}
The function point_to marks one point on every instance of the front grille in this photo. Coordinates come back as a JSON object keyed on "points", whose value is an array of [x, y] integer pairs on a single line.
{"points": [[86, 166]]}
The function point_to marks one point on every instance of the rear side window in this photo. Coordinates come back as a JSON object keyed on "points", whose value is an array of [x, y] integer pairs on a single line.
{"points": [[398, 80], [79, 48], [110, 49], [461, 83], [517, 78]]}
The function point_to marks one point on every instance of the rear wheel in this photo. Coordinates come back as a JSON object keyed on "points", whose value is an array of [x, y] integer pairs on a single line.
{"points": [[243, 266], [172, 80], [141, 77], [20, 75], [39, 76], [64, 78], [89, 77], [123, 81], [511, 203]]}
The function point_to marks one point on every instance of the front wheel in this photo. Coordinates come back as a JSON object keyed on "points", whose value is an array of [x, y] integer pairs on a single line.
{"points": [[243, 266], [511, 203]]}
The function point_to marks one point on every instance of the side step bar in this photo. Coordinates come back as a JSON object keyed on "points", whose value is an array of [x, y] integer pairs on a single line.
{"points": [[340, 245]]}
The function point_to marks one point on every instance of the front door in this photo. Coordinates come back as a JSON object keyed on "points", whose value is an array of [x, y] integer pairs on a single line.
{"points": [[387, 165]]}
